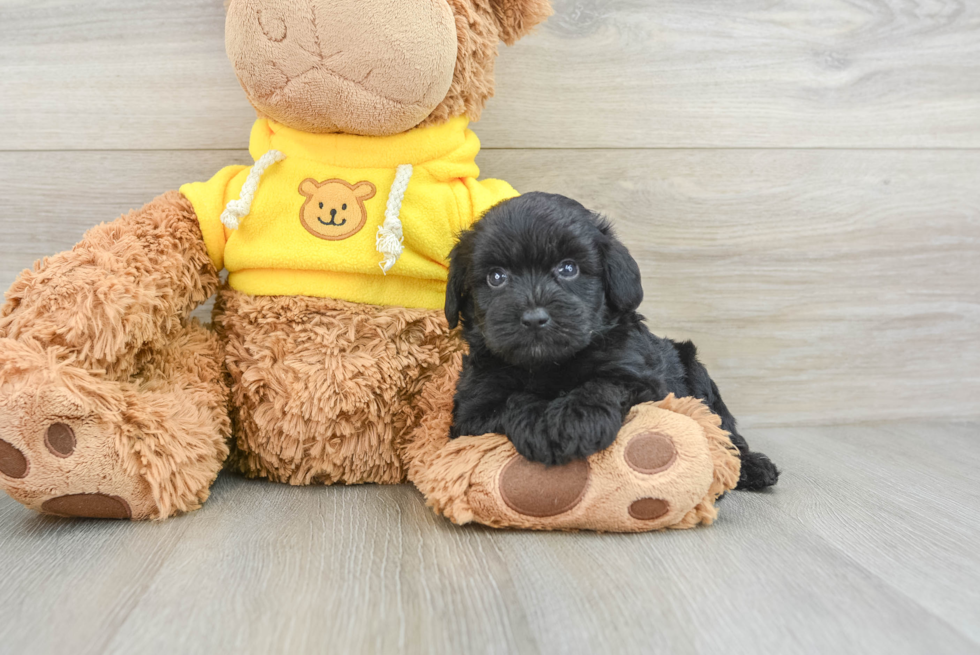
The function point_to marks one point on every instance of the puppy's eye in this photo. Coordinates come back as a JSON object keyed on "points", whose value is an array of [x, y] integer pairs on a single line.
{"points": [[567, 269], [497, 277]]}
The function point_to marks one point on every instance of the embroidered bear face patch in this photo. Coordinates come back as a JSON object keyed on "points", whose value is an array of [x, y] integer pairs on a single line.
{"points": [[334, 209]]}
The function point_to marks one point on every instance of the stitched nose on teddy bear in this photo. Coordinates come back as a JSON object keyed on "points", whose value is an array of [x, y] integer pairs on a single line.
{"points": [[370, 67]]}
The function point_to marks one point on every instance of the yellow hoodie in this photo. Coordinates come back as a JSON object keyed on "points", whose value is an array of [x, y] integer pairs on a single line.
{"points": [[363, 219]]}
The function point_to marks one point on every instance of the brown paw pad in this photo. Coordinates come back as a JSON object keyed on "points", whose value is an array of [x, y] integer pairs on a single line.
{"points": [[648, 509], [60, 440], [92, 506], [533, 489], [13, 464], [650, 452]]}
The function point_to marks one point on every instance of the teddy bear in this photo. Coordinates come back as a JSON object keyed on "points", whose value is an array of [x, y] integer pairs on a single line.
{"points": [[329, 360]]}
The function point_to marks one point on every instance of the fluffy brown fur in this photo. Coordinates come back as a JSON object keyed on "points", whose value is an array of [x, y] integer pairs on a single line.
{"points": [[156, 440], [480, 26], [724, 456], [175, 424], [97, 338], [518, 17], [125, 288], [324, 391]]}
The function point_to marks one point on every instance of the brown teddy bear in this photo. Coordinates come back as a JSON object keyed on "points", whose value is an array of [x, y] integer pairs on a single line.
{"points": [[331, 360]]}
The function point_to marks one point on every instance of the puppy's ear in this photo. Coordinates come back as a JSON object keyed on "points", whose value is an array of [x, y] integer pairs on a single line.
{"points": [[456, 284], [624, 285]]}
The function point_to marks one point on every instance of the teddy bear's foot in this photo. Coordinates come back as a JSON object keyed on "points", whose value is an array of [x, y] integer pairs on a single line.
{"points": [[58, 441], [58, 459], [73, 443], [668, 465]]}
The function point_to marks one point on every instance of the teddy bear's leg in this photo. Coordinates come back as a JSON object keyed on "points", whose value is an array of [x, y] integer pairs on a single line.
{"points": [[323, 391], [668, 465], [73, 443], [111, 405]]}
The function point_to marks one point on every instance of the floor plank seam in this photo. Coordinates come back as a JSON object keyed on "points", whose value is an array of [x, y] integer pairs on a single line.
{"points": [[850, 559]]}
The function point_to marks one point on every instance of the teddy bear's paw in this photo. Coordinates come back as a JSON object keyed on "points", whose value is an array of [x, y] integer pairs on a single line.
{"points": [[58, 457], [662, 471], [532, 489], [60, 462]]}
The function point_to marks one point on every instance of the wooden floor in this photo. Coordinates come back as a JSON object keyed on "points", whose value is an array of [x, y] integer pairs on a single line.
{"points": [[800, 183], [868, 545]]}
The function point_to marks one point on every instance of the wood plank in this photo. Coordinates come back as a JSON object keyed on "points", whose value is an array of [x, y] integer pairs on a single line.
{"points": [[68, 586], [365, 569], [140, 74], [843, 556], [820, 286], [758, 580], [897, 498]]}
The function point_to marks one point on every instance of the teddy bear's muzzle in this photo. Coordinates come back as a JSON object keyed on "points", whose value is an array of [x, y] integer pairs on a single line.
{"points": [[370, 67], [333, 220]]}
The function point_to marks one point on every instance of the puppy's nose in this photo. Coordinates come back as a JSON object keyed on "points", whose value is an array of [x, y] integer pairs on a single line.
{"points": [[535, 318], [333, 213]]}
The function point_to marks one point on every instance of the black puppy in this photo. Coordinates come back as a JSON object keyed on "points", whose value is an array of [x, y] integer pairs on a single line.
{"points": [[558, 353]]}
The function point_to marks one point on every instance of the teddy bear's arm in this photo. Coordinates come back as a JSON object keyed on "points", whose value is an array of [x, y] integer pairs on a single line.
{"points": [[127, 284]]}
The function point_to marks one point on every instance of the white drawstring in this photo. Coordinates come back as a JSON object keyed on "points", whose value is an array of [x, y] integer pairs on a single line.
{"points": [[390, 239], [236, 210]]}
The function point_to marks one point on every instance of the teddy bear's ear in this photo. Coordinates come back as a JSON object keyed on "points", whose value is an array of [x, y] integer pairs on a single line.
{"points": [[516, 18], [308, 187], [364, 191]]}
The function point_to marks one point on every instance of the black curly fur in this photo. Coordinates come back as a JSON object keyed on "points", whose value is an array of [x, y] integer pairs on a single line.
{"points": [[559, 382]]}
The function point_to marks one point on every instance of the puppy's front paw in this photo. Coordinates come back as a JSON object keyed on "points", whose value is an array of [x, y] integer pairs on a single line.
{"points": [[561, 441], [525, 427], [533, 444], [578, 440], [537, 449], [585, 422], [568, 428]]}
